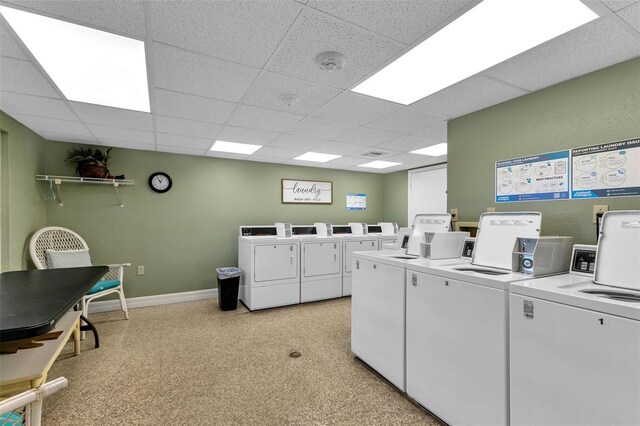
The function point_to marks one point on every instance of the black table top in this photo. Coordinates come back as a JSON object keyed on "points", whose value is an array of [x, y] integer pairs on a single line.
{"points": [[32, 301]]}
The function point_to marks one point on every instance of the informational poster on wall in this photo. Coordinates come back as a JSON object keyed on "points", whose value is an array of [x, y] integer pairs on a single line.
{"points": [[606, 170], [356, 201], [533, 178]]}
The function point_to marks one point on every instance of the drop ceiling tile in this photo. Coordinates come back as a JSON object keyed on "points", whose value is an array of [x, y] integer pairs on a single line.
{"points": [[314, 33], [323, 129], [301, 163], [180, 126], [354, 108], [408, 158], [406, 143], [337, 148], [120, 16], [15, 103], [9, 47], [368, 136], [263, 119], [384, 153], [262, 159], [118, 133], [593, 46], [616, 5], [50, 125], [268, 87], [22, 77], [180, 150], [348, 161], [228, 155], [181, 105], [114, 143], [470, 95], [436, 133], [116, 117], [239, 31], [296, 142], [406, 120], [402, 20], [59, 137], [243, 135], [183, 141], [282, 153], [182, 71], [632, 16]]}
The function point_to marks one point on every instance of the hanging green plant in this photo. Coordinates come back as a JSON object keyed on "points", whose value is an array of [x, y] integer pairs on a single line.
{"points": [[91, 162]]}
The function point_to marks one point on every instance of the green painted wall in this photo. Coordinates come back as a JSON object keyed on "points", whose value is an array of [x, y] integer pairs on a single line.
{"points": [[600, 107], [396, 186], [182, 236], [23, 210]]}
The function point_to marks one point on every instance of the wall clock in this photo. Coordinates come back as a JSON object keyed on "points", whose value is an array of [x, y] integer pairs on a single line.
{"points": [[160, 182]]}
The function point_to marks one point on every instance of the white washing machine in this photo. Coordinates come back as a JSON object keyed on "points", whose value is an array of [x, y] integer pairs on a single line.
{"points": [[378, 304], [575, 344], [352, 243], [457, 326], [321, 265], [270, 268]]}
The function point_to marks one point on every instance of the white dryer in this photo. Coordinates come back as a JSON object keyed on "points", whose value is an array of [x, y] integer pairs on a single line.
{"points": [[457, 326], [575, 344], [321, 263], [387, 234], [352, 243], [270, 268]]}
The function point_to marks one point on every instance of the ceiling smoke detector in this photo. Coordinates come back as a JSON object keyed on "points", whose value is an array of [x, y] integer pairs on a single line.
{"points": [[330, 61], [288, 99]]}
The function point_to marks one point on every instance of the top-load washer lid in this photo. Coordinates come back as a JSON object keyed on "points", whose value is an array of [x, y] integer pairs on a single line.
{"points": [[497, 233], [426, 223], [618, 259]]}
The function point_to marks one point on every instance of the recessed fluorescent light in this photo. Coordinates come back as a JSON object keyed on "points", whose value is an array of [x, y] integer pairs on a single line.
{"points": [[87, 65], [238, 148], [492, 32], [379, 164], [433, 150], [317, 157]]}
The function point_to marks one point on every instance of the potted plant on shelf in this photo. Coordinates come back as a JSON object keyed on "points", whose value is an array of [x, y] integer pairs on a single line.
{"points": [[91, 163]]}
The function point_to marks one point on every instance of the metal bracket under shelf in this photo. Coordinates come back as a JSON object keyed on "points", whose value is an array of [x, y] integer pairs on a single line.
{"points": [[59, 180]]}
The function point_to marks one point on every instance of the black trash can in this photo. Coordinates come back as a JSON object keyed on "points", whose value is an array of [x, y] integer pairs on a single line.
{"points": [[228, 283]]}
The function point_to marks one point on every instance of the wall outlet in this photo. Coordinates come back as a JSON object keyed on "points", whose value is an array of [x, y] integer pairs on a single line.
{"points": [[599, 208], [454, 215], [491, 209], [141, 270]]}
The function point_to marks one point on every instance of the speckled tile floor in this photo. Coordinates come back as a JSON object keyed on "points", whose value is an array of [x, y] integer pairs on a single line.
{"points": [[192, 364]]}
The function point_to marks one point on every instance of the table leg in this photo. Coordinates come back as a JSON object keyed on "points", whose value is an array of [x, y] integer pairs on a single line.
{"points": [[76, 338]]}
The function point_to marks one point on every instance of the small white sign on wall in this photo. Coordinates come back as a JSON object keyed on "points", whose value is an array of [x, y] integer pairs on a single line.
{"points": [[356, 201], [306, 192]]}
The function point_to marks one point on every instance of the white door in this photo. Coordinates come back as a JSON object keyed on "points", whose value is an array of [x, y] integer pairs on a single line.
{"points": [[275, 262], [321, 259], [352, 246], [427, 191]]}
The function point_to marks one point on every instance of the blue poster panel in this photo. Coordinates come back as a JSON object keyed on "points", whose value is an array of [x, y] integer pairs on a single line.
{"points": [[606, 170], [533, 178], [356, 201]]}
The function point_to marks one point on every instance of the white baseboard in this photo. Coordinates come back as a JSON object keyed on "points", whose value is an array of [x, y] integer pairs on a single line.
{"points": [[161, 299]]}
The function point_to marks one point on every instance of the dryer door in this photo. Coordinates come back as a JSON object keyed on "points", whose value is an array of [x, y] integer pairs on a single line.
{"points": [[321, 259], [275, 262], [352, 246]]}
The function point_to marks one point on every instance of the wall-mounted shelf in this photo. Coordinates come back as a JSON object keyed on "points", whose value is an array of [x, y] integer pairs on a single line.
{"points": [[59, 180]]}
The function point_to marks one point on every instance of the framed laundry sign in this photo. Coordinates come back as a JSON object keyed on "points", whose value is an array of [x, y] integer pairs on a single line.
{"points": [[297, 191]]}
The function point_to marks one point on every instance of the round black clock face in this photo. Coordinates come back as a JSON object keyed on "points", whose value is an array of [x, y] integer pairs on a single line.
{"points": [[160, 182]]}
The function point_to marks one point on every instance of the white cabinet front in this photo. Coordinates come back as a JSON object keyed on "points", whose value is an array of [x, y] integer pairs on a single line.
{"points": [[275, 262], [351, 247], [321, 259], [457, 349]]}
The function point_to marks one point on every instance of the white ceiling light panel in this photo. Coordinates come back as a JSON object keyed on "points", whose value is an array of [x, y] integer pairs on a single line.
{"points": [[433, 150], [378, 164], [87, 65], [238, 148], [317, 157], [491, 32]]}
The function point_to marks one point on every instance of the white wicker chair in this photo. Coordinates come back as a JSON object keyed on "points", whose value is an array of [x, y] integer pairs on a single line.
{"points": [[63, 239], [26, 407]]}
